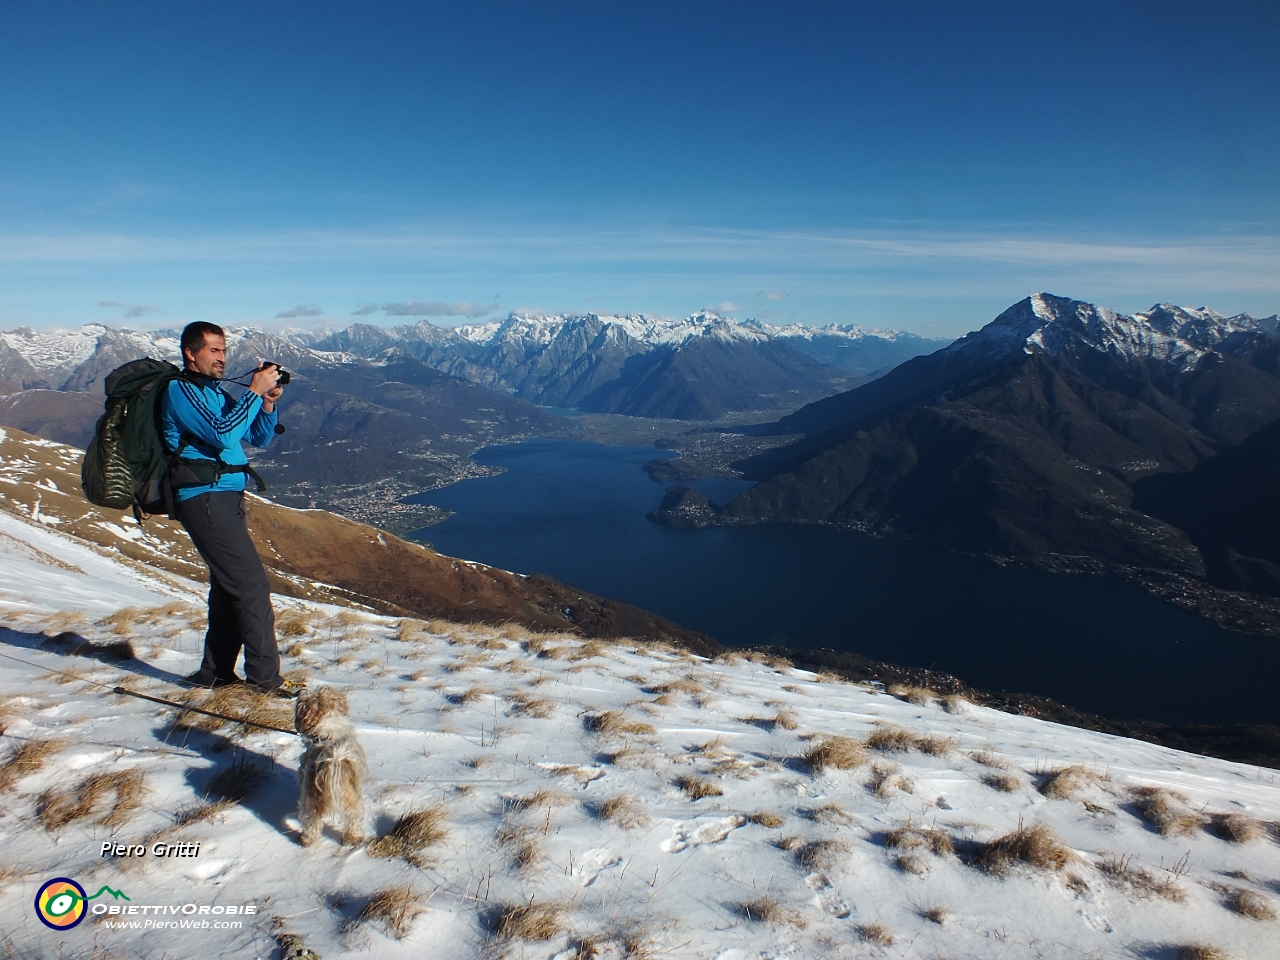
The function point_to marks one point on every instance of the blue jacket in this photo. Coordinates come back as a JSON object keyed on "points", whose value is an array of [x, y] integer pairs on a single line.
{"points": [[198, 407]]}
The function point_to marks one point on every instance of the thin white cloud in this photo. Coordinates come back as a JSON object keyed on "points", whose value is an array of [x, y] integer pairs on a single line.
{"points": [[724, 308], [365, 309], [131, 310], [301, 310], [1252, 259], [772, 294], [433, 308]]}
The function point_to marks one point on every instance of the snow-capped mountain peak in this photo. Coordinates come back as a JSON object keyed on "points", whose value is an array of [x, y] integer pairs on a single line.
{"points": [[1058, 325]]}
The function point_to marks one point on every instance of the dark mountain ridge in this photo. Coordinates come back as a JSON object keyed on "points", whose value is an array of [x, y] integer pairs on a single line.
{"points": [[1026, 438]]}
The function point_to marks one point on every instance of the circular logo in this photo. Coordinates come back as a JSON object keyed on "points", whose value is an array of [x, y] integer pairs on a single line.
{"points": [[60, 903]]}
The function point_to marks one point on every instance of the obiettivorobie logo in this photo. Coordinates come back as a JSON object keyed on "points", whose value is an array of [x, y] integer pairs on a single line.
{"points": [[61, 902]]}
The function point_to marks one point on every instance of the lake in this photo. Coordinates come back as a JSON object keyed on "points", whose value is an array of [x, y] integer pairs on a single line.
{"points": [[576, 510]]}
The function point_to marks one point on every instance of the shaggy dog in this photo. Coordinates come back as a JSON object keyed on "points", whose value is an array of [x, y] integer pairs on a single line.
{"points": [[331, 774]]}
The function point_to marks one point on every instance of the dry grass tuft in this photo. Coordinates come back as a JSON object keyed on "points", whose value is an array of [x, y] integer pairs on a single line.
{"points": [[920, 696], [466, 661], [532, 921], [696, 788], [891, 739], [9, 873], [955, 704], [1163, 811], [1122, 872], [61, 620], [1064, 783], [538, 707], [1004, 782], [896, 740], [410, 835], [613, 723], [294, 623], [885, 779], [520, 634], [203, 812], [543, 798], [1238, 828], [394, 909], [686, 685], [525, 850], [411, 631], [1037, 846], [240, 701], [768, 910], [875, 933], [912, 837], [1201, 951], [842, 753], [938, 915], [989, 759], [628, 755], [58, 808], [767, 818], [28, 758], [786, 720], [936, 746], [623, 810], [469, 695], [1249, 904], [831, 814], [123, 620], [911, 863], [347, 618], [716, 746], [822, 854], [589, 650]]}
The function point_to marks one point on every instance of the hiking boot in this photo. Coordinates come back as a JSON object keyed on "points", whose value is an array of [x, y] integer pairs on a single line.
{"points": [[285, 690], [199, 679]]}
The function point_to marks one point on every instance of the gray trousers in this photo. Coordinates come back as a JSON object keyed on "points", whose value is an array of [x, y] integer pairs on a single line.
{"points": [[240, 613]]}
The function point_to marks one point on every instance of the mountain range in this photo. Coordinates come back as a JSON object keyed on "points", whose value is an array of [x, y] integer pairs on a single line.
{"points": [[1061, 432], [698, 368]]}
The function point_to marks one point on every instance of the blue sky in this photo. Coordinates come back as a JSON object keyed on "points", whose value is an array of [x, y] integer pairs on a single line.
{"points": [[918, 165]]}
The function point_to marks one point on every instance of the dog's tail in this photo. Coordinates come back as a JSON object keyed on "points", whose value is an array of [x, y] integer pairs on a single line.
{"points": [[341, 772]]}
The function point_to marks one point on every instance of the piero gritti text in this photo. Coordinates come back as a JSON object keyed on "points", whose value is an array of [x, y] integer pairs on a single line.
{"points": [[160, 849]]}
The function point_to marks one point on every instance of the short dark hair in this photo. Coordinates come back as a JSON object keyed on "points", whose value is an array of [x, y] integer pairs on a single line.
{"points": [[193, 335]]}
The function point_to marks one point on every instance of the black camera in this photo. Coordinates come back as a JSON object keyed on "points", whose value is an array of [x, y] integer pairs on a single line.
{"points": [[285, 376]]}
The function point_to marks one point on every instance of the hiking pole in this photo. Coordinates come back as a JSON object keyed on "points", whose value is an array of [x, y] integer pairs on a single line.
{"points": [[208, 713]]}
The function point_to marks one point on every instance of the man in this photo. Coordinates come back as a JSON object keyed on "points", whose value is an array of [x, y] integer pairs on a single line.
{"points": [[205, 426]]}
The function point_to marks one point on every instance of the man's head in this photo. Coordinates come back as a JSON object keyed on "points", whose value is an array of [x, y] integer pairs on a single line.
{"points": [[204, 349]]}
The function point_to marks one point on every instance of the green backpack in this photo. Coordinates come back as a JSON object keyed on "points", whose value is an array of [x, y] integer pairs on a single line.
{"points": [[126, 464]]}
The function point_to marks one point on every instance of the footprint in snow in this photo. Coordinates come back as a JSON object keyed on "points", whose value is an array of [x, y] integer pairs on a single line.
{"points": [[825, 895], [689, 834], [596, 862]]}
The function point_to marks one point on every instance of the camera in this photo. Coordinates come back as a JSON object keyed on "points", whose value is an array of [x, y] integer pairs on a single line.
{"points": [[285, 376]]}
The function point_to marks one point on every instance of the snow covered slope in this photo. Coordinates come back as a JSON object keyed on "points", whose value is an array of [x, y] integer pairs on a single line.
{"points": [[578, 799]]}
